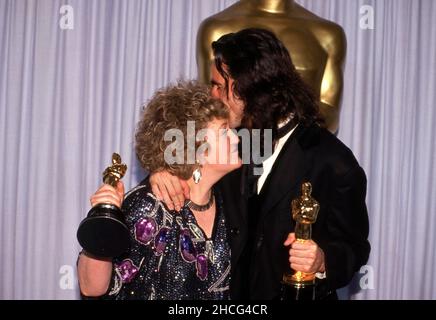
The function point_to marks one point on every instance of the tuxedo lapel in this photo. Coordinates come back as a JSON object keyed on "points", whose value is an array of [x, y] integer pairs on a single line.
{"points": [[286, 175]]}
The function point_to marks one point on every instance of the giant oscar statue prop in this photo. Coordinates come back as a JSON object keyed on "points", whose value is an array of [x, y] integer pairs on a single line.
{"points": [[301, 285], [317, 46], [103, 232]]}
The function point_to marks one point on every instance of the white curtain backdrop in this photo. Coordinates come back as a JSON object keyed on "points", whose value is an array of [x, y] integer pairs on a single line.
{"points": [[72, 83]]}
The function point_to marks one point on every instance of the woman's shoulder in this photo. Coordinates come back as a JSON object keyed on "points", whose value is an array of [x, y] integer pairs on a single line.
{"points": [[140, 196]]}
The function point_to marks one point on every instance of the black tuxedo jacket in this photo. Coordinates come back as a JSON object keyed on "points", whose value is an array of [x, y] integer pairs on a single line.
{"points": [[259, 257]]}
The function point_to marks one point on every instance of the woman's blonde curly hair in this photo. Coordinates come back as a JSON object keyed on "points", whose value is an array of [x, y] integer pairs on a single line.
{"points": [[171, 108]]}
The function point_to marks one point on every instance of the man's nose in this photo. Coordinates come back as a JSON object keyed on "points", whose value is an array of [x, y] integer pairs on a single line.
{"points": [[214, 93]]}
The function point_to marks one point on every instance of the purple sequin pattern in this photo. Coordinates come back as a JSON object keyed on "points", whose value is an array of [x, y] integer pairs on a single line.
{"points": [[160, 242], [201, 265], [187, 249], [167, 260], [145, 229], [127, 270]]}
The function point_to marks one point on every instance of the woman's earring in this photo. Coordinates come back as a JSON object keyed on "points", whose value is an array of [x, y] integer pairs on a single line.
{"points": [[196, 175]]}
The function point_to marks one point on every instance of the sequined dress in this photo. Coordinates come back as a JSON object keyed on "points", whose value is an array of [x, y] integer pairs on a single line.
{"points": [[170, 256]]}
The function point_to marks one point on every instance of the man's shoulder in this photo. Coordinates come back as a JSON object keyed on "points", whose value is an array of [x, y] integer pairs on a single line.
{"points": [[327, 148]]}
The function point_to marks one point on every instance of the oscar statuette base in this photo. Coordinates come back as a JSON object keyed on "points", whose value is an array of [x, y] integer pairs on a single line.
{"points": [[103, 232], [298, 287]]}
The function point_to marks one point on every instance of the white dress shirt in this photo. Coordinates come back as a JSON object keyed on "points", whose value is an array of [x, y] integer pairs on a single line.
{"points": [[269, 162], [267, 166]]}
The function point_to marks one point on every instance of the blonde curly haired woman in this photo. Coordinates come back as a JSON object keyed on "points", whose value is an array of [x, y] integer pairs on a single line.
{"points": [[180, 254]]}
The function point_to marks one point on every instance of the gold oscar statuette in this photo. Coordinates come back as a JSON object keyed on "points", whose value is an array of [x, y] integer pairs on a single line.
{"points": [[103, 232], [300, 285]]}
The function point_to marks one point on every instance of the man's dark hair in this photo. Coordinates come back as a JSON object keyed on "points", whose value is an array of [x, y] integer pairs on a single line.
{"points": [[265, 79]]}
